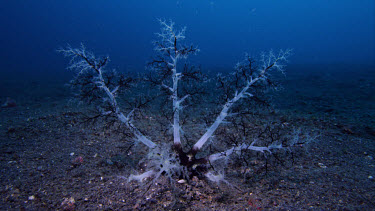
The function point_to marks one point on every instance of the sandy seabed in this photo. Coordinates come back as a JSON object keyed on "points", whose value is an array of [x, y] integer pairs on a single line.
{"points": [[50, 160]]}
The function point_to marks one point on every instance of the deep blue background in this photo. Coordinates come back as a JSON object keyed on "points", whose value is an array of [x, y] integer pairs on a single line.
{"points": [[319, 31]]}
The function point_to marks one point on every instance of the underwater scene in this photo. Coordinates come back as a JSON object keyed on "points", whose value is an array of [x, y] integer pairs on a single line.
{"points": [[187, 105]]}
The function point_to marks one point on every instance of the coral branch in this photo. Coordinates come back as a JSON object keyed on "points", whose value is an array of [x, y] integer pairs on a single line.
{"points": [[270, 61], [243, 146], [82, 61], [171, 51]]}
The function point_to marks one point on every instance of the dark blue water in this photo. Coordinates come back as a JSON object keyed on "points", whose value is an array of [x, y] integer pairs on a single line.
{"points": [[319, 31]]}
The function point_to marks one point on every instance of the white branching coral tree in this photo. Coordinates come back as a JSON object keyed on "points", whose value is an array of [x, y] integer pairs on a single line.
{"points": [[177, 160]]}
